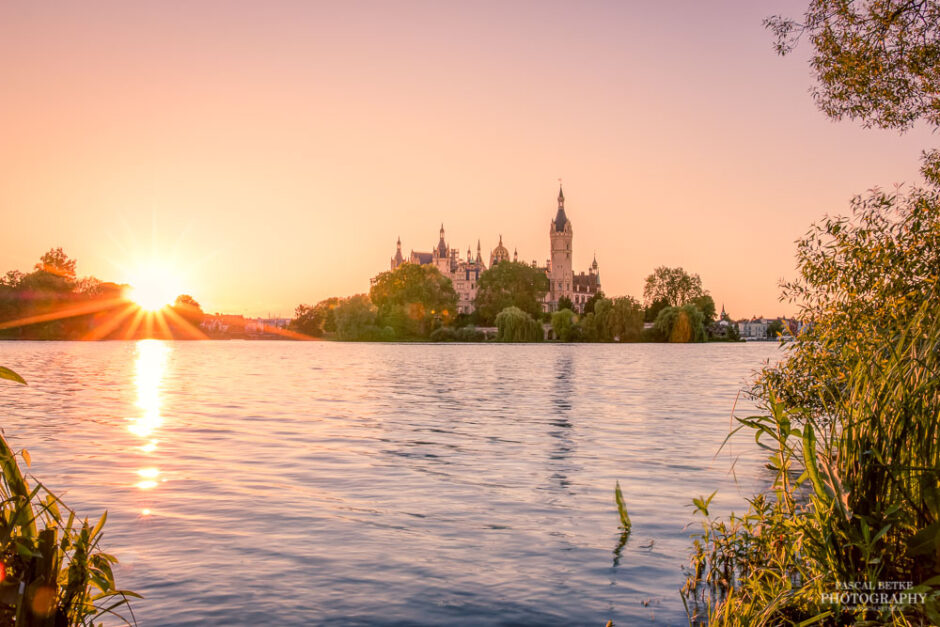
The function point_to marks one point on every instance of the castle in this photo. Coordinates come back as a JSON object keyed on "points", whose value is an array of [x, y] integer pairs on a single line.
{"points": [[465, 273]]}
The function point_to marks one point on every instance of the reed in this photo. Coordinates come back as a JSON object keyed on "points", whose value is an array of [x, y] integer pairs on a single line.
{"points": [[855, 500], [52, 571]]}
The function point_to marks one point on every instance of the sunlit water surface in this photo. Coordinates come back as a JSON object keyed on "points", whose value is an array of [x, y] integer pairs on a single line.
{"points": [[307, 483]]}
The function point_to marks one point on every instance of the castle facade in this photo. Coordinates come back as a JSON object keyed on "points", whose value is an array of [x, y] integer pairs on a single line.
{"points": [[465, 273]]}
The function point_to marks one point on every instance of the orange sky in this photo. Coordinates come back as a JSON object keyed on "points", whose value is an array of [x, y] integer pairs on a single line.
{"points": [[274, 151]]}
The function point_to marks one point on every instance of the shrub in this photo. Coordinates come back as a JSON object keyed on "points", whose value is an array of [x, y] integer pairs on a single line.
{"points": [[444, 334], [851, 426], [515, 325], [681, 324], [470, 334], [564, 325]]}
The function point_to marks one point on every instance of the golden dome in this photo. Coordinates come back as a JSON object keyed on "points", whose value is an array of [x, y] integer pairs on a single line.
{"points": [[500, 253]]}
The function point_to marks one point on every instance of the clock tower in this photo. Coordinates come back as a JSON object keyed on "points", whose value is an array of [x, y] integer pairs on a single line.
{"points": [[560, 274]]}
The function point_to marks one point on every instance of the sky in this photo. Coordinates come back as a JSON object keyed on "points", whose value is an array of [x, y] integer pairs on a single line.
{"points": [[270, 153]]}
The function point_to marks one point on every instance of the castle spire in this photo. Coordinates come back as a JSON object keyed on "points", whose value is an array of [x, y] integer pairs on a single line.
{"points": [[560, 218], [441, 245]]}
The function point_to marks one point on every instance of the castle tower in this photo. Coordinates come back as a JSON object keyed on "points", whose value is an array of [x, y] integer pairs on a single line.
{"points": [[398, 259], [442, 255], [560, 235]]}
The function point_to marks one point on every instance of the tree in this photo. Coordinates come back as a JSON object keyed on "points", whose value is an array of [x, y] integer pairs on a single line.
{"points": [[565, 303], [681, 324], [862, 278], [675, 286], [12, 279], [58, 263], [587, 327], [564, 325], [412, 297], [652, 310], [307, 320], [625, 319], [515, 325], [589, 305], [510, 284], [875, 62], [706, 304], [190, 310], [774, 329], [355, 318]]}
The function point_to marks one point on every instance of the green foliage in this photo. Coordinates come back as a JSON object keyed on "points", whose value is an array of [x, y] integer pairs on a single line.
{"points": [[856, 496], [613, 320], [564, 325], [653, 309], [515, 325], [307, 320], [775, 328], [875, 62], [413, 299], [852, 431], [624, 319], [54, 572], [444, 334], [861, 279], [565, 303], [510, 284], [470, 334], [674, 286], [355, 319], [706, 304], [681, 324], [9, 375], [625, 523], [589, 304]]}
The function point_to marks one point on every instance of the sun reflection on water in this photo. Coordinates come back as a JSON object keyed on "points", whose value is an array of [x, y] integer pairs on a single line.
{"points": [[150, 369]]}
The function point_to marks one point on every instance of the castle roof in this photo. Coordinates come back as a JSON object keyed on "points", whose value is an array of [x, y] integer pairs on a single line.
{"points": [[500, 253], [560, 218]]}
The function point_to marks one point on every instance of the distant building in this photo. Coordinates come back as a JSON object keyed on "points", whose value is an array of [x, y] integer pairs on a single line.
{"points": [[238, 326], [754, 329], [465, 273]]}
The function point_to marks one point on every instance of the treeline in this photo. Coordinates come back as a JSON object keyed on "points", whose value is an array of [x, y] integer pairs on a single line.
{"points": [[52, 303], [416, 302]]}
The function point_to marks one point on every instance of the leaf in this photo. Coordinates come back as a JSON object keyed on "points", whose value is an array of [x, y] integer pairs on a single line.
{"points": [[6, 373], [622, 508], [925, 541], [809, 462], [815, 619]]}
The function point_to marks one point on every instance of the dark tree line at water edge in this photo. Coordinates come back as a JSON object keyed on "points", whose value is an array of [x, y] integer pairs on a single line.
{"points": [[416, 302], [52, 303]]}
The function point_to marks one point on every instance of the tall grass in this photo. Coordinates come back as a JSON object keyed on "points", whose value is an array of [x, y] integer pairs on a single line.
{"points": [[51, 569], [855, 500]]}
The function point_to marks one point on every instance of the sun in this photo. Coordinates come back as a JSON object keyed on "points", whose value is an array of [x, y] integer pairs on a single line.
{"points": [[153, 287]]}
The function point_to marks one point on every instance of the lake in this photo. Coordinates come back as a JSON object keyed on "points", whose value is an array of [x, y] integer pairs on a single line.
{"points": [[388, 484]]}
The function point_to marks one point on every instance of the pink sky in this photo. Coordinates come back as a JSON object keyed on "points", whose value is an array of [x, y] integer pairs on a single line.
{"points": [[275, 150]]}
